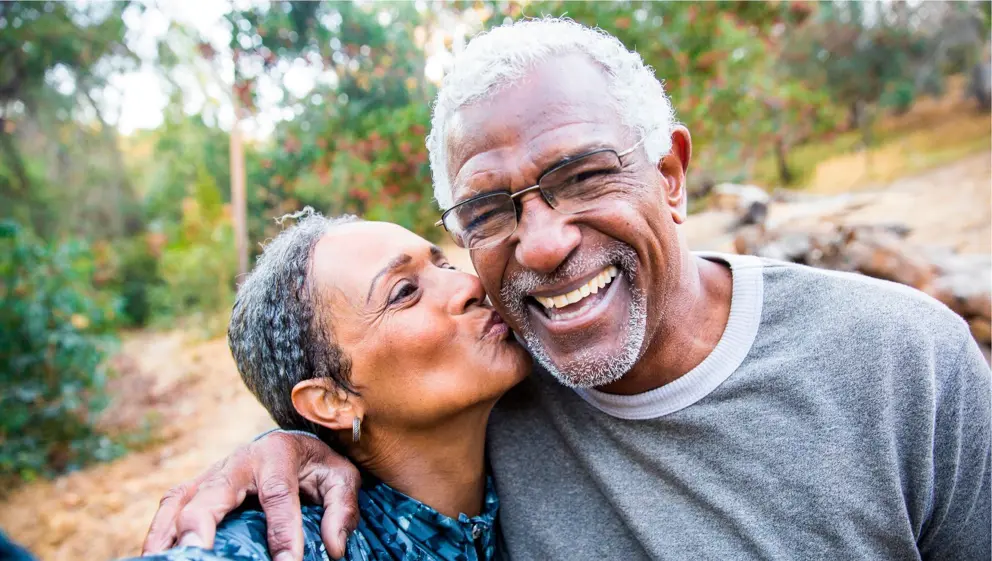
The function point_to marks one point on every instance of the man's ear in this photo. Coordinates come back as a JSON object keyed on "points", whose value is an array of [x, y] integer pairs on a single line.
{"points": [[320, 401], [673, 167]]}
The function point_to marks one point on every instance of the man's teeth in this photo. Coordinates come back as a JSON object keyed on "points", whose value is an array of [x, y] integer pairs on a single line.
{"points": [[604, 278]]}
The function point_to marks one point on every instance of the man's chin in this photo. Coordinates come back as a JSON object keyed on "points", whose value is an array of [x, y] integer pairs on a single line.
{"points": [[593, 356], [584, 369]]}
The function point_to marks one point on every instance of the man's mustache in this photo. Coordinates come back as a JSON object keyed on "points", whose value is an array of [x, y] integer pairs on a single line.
{"points": [[519, 284]]}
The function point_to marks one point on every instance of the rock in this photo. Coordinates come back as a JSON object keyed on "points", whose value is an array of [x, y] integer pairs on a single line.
{"points": [[967, 293], [71, 500], [737, 198], [881, 254], [962, 282], [757, 213], [749, 240], [981, 330]]}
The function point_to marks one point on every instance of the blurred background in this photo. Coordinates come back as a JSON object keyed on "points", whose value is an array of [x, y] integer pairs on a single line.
{"points": [[147, 146]]}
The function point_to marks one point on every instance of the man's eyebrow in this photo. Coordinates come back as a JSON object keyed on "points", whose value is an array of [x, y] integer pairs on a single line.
{"points": [[573, 154], [436, 252], [397, 262]]}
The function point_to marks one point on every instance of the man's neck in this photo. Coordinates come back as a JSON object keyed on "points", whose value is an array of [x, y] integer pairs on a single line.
{"points": [[443, 467], [696, 319]]}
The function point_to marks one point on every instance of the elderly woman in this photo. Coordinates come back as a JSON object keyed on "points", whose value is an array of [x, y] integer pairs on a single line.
{"points": [[363, 334]]}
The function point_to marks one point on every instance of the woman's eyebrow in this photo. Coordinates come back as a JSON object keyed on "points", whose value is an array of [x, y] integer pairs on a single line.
{"points": [[396, 263]]}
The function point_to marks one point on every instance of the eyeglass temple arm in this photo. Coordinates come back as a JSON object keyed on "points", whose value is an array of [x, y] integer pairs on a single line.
{"points": [[632, 148]]}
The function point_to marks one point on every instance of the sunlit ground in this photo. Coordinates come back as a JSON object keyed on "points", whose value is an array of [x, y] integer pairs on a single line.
{"points": [[932, 133]]}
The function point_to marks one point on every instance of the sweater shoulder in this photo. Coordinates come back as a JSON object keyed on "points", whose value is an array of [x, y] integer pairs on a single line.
{"points": [[858, 304]]}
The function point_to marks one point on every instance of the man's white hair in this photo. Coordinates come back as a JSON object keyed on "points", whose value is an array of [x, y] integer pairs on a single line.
{"points": [[498, 58]]}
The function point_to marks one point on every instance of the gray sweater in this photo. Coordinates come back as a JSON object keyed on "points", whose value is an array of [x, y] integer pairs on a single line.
{"points": [[839, 417]]}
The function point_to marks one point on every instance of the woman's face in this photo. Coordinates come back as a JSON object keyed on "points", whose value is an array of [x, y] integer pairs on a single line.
{"points": [[423, 343]]}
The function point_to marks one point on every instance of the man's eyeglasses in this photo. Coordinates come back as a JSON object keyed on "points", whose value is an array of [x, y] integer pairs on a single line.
{"points": [[570, 187]]}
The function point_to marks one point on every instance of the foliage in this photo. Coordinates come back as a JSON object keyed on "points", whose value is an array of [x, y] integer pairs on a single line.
{"points": [[760, 85], [58, 176], [358, 143], [870, 56], [197, 266], [54, 340]]}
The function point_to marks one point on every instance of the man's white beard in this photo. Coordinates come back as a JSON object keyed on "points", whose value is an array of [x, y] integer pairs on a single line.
{"points": [[589, 368], [592, 368]]}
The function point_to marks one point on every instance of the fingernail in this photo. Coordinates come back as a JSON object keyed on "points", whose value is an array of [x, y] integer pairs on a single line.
{"points": [[189, 539], [284, 556], [343, 535]]}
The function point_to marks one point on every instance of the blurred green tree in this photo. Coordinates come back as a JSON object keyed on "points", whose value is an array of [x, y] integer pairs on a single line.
{"points": [[873, 56], [61, 168], [54, 336], [719, 63], [356, 142]]}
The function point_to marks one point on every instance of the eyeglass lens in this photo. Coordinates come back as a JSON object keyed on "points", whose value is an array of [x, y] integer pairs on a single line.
{"points": [[570, 188]]}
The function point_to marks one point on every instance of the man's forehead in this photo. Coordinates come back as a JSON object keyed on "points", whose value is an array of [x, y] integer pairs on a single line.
{"points": [[558, 107]]}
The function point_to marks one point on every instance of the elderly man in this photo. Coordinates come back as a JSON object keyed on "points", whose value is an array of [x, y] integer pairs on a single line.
{"points": [[698, 406]]}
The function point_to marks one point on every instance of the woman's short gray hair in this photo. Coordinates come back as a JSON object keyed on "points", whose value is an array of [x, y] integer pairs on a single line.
{"points": [[280, 333], [503, 55]]}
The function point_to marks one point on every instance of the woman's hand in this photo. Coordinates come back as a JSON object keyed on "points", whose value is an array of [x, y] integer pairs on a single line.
{"points": [[278, 467]]}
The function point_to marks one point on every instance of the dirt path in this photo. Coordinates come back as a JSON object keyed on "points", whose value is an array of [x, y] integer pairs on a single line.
{"points": [[204, 411], [102, 512]]}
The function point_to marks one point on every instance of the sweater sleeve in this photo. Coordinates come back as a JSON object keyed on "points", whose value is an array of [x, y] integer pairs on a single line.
{"points": [[959, 525]]}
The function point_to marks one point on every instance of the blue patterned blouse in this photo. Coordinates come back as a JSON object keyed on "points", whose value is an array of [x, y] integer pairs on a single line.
{"points": [[393, 527]]}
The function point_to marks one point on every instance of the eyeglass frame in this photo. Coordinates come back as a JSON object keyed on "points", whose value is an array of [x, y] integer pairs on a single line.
{"points": [[536, 186]]}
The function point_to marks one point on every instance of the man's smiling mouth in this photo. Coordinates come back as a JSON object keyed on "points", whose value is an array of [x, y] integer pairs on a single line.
{"points": [[579, 300]]}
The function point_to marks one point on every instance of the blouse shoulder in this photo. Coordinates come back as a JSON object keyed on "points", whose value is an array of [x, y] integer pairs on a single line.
{"points": [[241, 536]]}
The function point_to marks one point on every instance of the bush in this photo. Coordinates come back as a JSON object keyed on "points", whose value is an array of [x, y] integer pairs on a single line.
{"points": [[197, 267], [136, 274], [54, 337]]}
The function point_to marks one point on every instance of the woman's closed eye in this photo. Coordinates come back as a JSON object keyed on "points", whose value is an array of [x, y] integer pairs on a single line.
{"points": [[402, 291], [406, 289]]}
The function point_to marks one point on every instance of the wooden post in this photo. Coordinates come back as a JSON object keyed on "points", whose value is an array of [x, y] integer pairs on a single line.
{"points": [[239, 205]]}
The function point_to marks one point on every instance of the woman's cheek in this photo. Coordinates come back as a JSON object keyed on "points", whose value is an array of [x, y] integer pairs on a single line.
{"points": [[426, 337]]}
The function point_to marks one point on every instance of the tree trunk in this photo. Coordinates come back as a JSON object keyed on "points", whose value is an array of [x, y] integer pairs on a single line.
{"points": [[781, 157], [865, 122], [13, 157], [981, 84], [239, 211]]}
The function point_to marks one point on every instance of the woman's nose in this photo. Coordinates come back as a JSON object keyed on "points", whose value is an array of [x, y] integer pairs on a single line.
{"points": [[466, 292]]}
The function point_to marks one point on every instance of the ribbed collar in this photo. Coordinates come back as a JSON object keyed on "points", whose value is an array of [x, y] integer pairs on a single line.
{"points": [[730, 351]]}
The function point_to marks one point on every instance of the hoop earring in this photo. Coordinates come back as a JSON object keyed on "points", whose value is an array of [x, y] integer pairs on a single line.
{"points": [[356, 429]]}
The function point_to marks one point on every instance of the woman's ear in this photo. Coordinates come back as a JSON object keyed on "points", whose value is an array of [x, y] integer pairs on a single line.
{"points": [[321, 402]]}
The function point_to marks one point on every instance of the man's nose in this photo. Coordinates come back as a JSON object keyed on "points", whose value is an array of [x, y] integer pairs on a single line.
{"points": [[545, 237]]}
